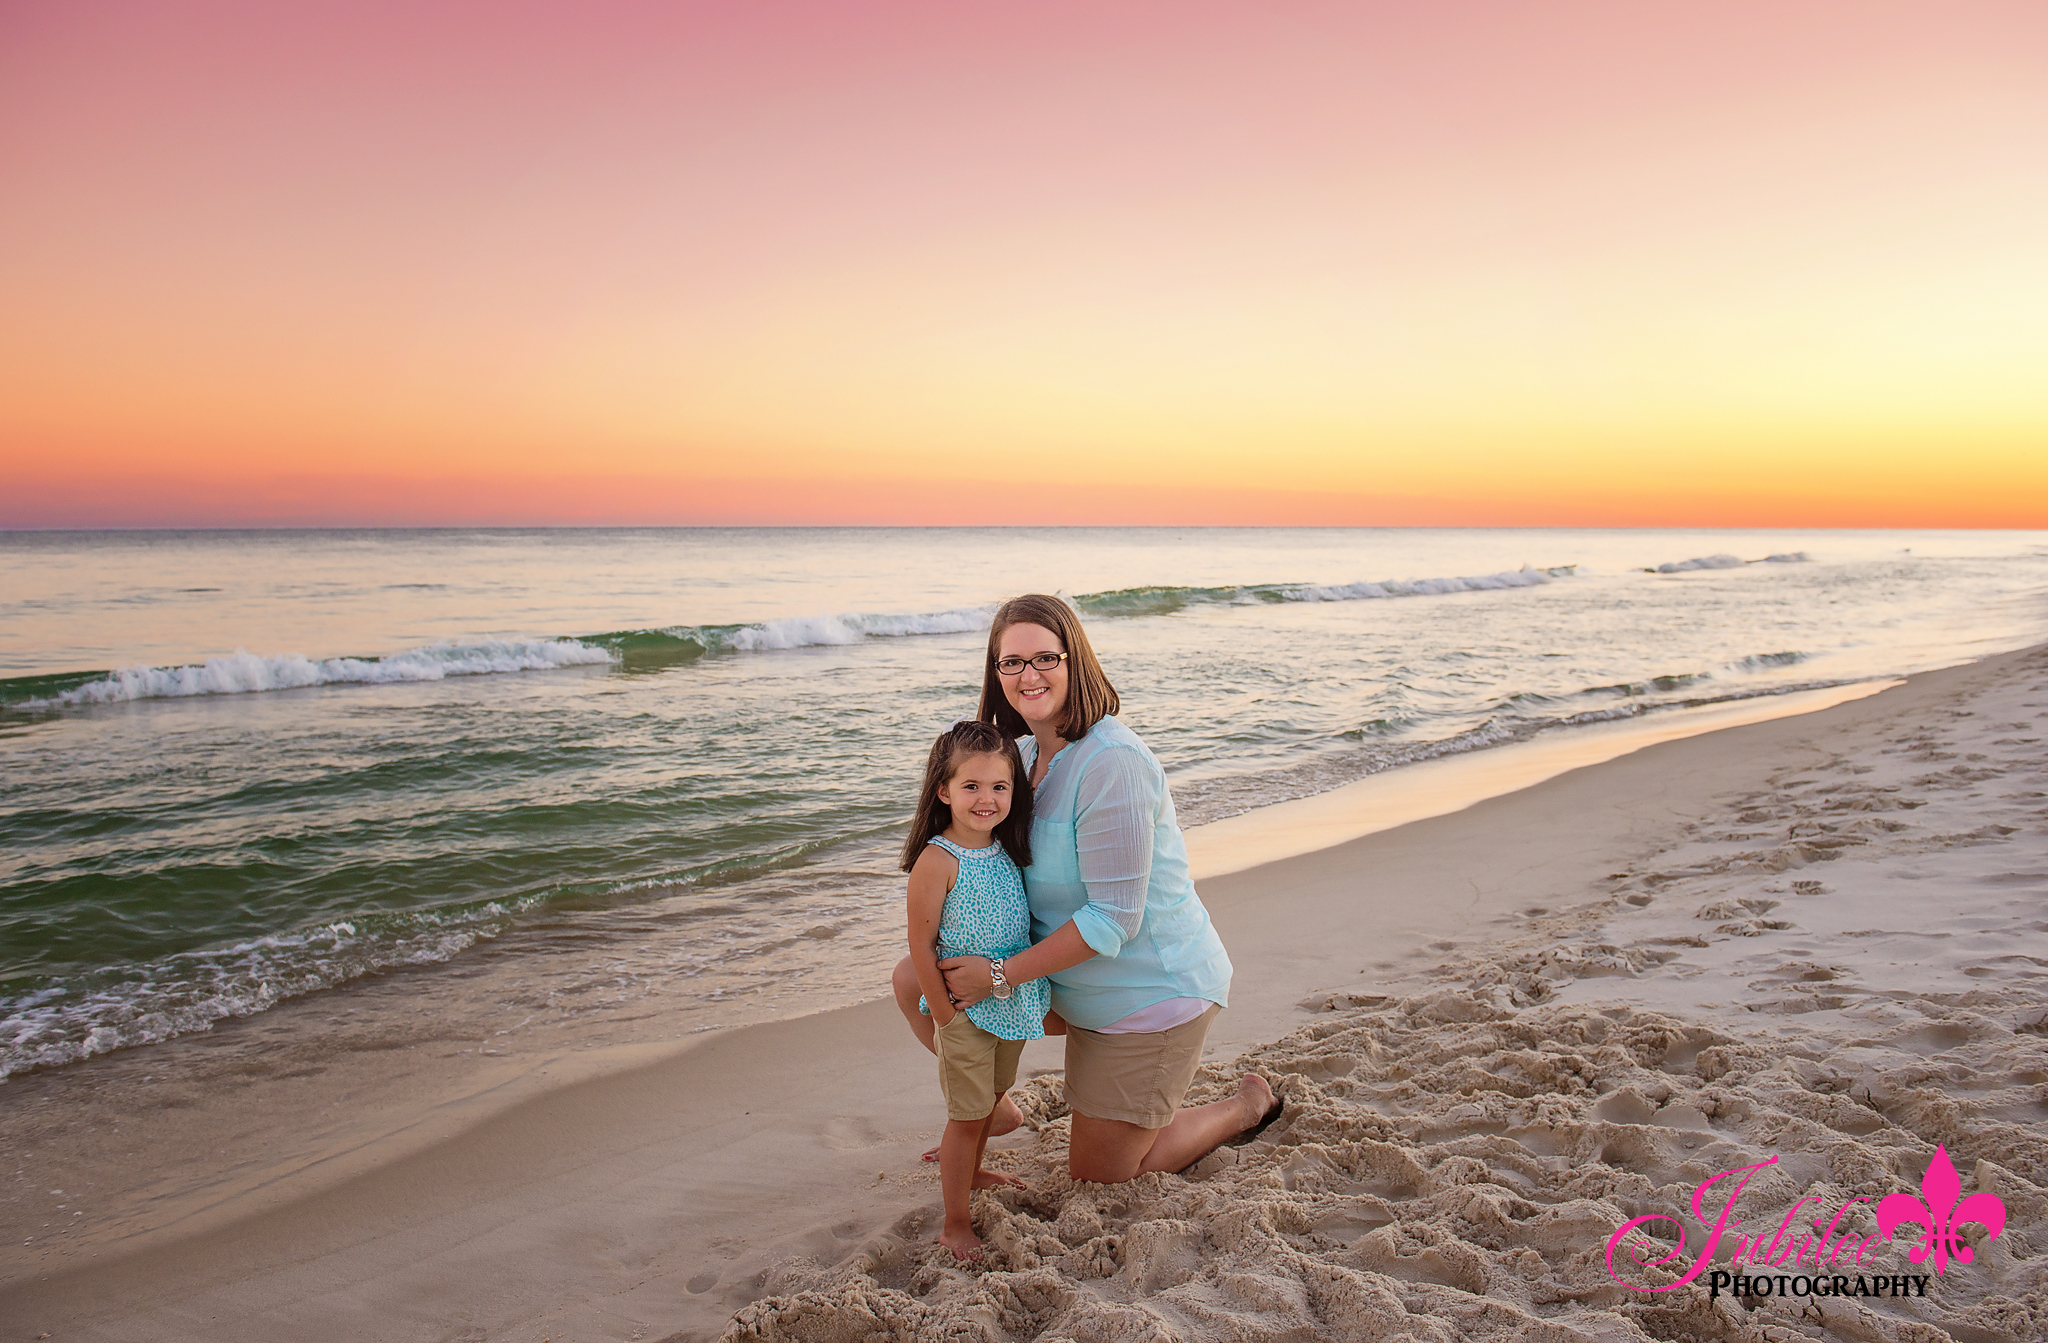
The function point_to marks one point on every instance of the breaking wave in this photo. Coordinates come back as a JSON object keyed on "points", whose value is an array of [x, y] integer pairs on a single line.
{"points": [[1743, 666], [1726, 561], [1766, 661], [243, 672], [1153, 601], [651, 649], [682, 643], [120, 1006]]}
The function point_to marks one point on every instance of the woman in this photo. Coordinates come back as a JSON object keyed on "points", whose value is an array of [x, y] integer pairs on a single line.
{"points": [[1137, 970]]}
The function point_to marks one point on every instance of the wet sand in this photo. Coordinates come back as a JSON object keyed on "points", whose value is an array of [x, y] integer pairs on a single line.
{"points": [[1631, 951]]}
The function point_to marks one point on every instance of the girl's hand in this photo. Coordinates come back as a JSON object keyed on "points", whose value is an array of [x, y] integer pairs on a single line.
{"points": [[967, 979]]}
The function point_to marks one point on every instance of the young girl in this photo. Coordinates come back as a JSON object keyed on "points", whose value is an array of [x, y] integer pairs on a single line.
{"points": [[970, 836]]}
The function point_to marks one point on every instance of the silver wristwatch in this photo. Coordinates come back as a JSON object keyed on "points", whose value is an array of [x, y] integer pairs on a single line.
{"points": [[999, 987]]}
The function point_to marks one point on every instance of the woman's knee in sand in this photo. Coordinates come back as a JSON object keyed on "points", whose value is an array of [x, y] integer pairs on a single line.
{"points": [[903, 984]]}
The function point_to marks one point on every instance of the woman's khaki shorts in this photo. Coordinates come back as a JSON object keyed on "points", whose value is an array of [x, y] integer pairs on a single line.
{"points": [[1138, 1078], [974, 1067]]}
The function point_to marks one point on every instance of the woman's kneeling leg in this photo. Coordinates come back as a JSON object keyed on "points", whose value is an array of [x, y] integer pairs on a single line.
{"points": [[903, 984], [1109, 1151]]}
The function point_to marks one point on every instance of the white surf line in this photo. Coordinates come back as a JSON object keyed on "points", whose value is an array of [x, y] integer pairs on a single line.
{"points": [[1452, 783]]}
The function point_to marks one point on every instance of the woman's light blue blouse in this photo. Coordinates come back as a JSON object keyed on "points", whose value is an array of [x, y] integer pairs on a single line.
{"points": [[1107, 853]]}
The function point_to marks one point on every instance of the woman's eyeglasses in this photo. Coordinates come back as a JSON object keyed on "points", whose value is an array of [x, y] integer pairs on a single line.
{"points": [[1043, 661]]}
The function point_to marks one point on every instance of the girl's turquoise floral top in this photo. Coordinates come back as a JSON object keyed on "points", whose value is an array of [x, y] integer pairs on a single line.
{"points": [[988, 915]]}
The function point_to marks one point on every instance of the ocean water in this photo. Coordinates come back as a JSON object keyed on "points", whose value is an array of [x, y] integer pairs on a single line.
{"points": [[239, 768]]}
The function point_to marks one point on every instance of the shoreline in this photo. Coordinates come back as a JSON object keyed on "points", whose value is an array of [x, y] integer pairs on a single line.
{"points": [[609, 1160], [1449, 783]]}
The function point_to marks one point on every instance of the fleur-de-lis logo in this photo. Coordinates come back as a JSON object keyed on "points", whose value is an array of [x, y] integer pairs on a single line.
{"points": [[1941, 1184]]}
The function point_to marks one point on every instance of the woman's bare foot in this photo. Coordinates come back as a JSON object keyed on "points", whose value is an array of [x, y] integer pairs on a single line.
{"points": [[1007, 1119], [993, 1179], [1255, 1094], [965, 1245]]}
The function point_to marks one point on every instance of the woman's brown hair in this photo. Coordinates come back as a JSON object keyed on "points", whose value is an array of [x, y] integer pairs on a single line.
{"points": [[1090, 696], [965, 738]]}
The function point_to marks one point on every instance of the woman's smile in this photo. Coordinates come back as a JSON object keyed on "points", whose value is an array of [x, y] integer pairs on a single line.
{"points": [[1035, 694]]}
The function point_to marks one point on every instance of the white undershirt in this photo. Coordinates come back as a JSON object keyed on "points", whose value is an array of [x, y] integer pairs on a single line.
{"points": [[1158, 1017]]}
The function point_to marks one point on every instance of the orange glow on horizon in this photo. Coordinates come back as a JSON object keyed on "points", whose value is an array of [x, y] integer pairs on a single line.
{"points": [[1323, 263], [506, 501]]}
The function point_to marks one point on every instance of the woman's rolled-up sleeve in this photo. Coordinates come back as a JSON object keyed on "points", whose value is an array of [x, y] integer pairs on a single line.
{"points": [[1116, 812]]}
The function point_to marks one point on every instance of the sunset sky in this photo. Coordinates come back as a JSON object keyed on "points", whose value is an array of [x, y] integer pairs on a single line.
{"points": [[1752, 263]]}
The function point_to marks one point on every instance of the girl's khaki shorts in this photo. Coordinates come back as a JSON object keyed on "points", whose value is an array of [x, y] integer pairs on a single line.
{"points": [[974, 1067], [1139, 1078]]}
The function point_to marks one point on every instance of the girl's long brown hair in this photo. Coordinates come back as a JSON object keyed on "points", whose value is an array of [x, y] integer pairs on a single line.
{"points": [[965, 738], [1090, 696]]}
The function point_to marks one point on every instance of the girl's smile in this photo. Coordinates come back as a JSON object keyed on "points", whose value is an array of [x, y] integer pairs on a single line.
{"points": [[979, 794]]}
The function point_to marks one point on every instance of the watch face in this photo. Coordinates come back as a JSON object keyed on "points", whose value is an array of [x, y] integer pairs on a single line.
{"points": [[1000, 991]]}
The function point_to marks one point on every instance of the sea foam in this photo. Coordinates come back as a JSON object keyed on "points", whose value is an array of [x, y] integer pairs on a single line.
{"points": [[1166, 600], [243, 672], [855, 627], [117, 1007], [815, 631], [1727, 561], [1723, 561]]}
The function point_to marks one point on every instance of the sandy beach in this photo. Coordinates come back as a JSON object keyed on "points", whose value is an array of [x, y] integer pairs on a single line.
{"points": [[1503, 1033]]}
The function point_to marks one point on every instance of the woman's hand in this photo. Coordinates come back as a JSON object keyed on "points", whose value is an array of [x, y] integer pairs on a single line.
{"points": [[967, 979]]}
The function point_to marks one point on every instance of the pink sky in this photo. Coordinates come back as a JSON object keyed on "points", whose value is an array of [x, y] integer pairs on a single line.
{"points": [[1367, 262]]}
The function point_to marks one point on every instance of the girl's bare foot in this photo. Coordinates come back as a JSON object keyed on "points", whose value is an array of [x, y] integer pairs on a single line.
{"points": [[1007, 1119], [965, 1245], [994, 1179]]}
